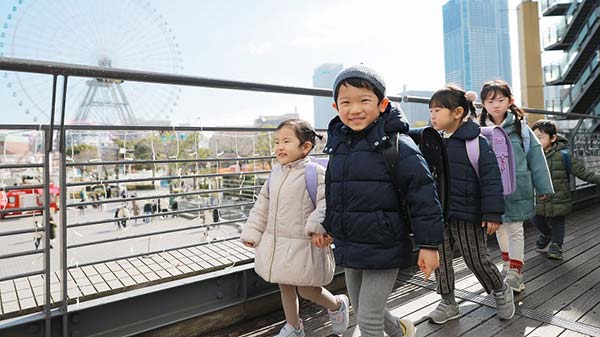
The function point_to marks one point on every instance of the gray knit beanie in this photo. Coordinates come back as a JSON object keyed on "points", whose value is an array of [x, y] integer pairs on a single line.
{"points": [[362, 72]]}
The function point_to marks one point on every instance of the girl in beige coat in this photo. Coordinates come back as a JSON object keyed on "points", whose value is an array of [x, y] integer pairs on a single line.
{"points": [[281, 226]]}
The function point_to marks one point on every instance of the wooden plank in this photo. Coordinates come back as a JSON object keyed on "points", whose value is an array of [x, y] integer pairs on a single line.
{"points": [[102, 268], [10, 307], [114, 284]]}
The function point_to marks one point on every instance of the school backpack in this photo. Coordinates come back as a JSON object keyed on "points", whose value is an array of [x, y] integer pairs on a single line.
{"points": [[433, 150], [502, 147], [566, 157], [310, 177]]}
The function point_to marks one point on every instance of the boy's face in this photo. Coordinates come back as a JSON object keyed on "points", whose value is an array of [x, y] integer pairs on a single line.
{"points": [[497, 106], [358, 107], [545, 139]]}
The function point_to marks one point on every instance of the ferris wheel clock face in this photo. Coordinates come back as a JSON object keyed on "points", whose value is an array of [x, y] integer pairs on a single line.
{"points": [[126, 34]]}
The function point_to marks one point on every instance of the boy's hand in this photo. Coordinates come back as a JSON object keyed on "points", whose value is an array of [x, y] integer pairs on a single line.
{"points": [[429, 260], [248, 244], [321, 240], [544, 197], [492, 227]]}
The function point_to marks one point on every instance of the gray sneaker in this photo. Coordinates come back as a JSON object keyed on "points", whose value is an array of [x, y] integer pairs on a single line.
{"points": [[505, 268], [515, 280], [505, 304], [444, 312], [340, 318], [290, 331]]}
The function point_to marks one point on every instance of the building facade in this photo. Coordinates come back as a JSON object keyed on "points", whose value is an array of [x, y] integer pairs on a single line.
{"points": [[476, 42], [574, 34]]}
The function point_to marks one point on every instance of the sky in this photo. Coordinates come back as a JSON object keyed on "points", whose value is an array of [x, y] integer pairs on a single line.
{"points": [[267, 41]]}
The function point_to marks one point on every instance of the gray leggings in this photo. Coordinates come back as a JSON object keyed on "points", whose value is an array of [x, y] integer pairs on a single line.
{"points": [[368, 290]]}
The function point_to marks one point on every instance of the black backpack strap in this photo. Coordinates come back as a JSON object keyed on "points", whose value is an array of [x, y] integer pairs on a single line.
{"points": [[390, 157]]}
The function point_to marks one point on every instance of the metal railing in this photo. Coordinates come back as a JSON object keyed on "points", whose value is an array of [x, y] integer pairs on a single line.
{"points": [[232, 180]]}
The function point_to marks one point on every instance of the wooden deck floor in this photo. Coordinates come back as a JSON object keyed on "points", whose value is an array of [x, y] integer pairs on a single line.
{"points": [[562, 298], [26, 295]]}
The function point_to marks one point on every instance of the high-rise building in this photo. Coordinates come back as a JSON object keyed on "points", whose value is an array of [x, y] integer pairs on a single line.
{"points": [[476, 42], [324, 77], [575, 34]]}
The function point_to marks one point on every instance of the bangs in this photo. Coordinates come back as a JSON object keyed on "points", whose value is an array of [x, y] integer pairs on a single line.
{"points": [[493, 91]]}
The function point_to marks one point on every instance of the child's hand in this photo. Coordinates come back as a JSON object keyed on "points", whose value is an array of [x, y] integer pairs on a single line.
{"points": [[492, 227], [544, 197], [321, 240], [429, 260], [248, 244]]}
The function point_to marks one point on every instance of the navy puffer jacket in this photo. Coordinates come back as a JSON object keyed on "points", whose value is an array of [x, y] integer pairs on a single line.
{"points": [[363, 209], [473, 199]]}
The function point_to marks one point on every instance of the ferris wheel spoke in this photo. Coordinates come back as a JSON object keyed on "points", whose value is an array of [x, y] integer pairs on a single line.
{"points": [[129, 33]]}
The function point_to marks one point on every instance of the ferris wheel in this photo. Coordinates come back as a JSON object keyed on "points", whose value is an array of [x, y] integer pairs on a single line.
{"points": [[127, 34]]}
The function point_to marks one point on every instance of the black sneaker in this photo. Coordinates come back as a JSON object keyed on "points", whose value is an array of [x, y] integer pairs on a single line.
{"points": [[555, 252], [541, 245]]}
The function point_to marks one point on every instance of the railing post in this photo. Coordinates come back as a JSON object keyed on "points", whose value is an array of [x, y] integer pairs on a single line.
{"points": [[63, 214], [48, 135]]}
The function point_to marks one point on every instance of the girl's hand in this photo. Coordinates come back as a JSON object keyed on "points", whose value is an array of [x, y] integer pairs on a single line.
{"points": [[544, 197], [429, 260], [321, 240], [248, 244], [492, 227]]}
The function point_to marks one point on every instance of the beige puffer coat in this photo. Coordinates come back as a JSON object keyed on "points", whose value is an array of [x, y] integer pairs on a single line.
{"points": [[280, 224]]}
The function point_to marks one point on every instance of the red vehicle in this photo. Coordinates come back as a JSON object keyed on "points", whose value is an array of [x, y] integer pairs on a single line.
{"points": [[26, 198]]}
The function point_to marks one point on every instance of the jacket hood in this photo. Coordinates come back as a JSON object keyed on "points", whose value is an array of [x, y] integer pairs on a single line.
{"points": [[561, 143]]}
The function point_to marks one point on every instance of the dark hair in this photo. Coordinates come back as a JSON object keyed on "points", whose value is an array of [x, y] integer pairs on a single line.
{"points": [[303, 130], [493, 89], [452, 97], [546, 126], [357, 83]]}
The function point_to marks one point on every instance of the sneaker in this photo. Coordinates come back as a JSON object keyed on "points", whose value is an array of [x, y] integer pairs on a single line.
{"points": [[505, 268], [290, 331], [444, 312], [515, 280], [399, 327], [341, 317], [541, 245], [505, 304], [555, 252], [408, 328]]}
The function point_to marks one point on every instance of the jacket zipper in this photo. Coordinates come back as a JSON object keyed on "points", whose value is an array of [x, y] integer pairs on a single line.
{"points": [[275, 223]]}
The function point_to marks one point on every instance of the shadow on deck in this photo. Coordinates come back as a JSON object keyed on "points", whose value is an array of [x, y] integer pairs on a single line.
{"points": [[562, 298]]}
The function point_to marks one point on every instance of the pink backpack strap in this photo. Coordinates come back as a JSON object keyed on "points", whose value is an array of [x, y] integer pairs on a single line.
{"points": [[472, 146]]}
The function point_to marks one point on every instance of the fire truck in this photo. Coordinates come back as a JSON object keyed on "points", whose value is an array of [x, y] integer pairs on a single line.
{"points": [[22, 198]]}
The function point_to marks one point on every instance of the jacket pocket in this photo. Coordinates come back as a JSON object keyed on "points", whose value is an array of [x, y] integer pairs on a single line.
{"points": [[387, 233]]}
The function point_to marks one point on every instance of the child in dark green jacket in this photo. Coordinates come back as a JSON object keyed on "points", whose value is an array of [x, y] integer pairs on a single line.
{"points": [[550, 213]]}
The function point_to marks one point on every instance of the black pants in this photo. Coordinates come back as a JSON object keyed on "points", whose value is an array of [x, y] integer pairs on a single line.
{"points": [[553, 226], [472, 241]]}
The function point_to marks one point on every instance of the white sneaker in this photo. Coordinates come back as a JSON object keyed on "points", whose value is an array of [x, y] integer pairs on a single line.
{"points": [[290, 331], [340, 318], [515, 280]]}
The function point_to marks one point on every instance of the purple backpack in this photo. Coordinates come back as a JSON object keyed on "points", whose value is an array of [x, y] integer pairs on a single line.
{"points": [[310, 177], [500, 142]]}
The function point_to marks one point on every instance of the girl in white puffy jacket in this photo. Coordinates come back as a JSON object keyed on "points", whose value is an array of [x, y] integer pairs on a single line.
{"points": [[285, 227]]}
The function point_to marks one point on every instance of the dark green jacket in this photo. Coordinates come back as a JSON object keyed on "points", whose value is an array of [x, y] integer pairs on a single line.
{"points": [[561, 202]]}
